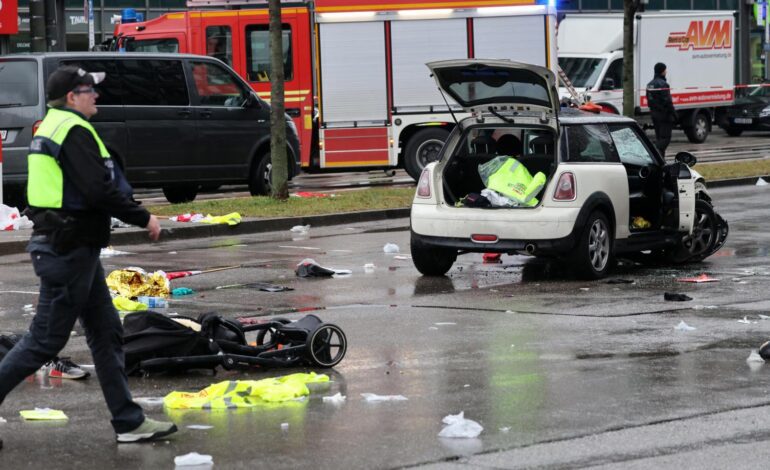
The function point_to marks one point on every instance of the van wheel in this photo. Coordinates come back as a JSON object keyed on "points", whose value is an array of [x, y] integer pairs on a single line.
{"points": [[592, 258], [431, 260], [180, 194], [259, 180], [699, 131], [423, 148]]}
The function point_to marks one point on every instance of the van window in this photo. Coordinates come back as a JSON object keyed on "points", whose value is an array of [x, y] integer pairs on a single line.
{"points": [[258, 53], [219, 43], [19, 79], [154, 83], [110, 90], [216, 86], [151, 45]]}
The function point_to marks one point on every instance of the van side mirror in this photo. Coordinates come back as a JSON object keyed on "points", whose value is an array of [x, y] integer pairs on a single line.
{"points": [[686, 158], [608, 84]]}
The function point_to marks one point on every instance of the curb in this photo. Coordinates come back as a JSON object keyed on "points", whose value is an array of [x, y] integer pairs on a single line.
{"points": [[736, 181], [133, 236]]}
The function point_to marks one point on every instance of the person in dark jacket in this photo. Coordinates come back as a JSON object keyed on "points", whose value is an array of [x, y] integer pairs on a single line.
{"points": [[73, 189], [661, 108]]}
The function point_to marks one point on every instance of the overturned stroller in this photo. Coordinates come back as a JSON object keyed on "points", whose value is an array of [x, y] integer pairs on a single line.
{"points": [[158, 343]]}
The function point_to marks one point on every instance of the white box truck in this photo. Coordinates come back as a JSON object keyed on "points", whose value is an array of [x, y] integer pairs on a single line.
{"points": [[698, 48]]}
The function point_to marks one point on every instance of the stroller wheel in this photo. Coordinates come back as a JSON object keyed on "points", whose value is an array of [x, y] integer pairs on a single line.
{"points": [[327, 345]]}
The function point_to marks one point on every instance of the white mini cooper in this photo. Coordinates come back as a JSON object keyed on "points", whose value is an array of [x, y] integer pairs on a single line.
{"points": [[608, 191]]}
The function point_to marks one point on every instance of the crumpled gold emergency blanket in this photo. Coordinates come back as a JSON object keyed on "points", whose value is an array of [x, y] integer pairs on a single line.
{"points": [[133, 282]]}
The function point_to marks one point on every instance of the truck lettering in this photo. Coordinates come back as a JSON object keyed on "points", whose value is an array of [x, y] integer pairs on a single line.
{"points": [[714, 34]]}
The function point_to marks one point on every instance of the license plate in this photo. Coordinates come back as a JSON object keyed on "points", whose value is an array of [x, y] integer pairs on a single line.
{"points": [[3, 134], [742, 120]]}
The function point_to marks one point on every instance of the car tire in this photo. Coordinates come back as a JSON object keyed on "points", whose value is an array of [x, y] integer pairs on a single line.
{"points": [[593, 257], [431, 260], [696, 247], [733, 132], [259, 180], [423, 148], [699, 131], [180, 194]]}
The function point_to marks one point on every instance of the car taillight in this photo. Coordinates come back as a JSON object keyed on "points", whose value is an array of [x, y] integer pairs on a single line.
{"points": [[35, 127], [565, 188], [423, 186]]}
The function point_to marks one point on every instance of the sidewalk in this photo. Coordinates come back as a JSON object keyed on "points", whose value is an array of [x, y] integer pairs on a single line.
{"points": [[14, 242]]}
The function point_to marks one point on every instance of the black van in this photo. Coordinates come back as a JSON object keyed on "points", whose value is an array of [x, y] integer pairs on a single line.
{"points": [[175, 121]]}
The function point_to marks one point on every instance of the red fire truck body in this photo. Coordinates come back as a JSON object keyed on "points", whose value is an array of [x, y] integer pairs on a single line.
{"points": [[356, 82]]}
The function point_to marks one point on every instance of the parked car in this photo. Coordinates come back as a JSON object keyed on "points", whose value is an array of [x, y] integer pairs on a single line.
{"points": [[607, 189], [749, 113], [174, 121]]}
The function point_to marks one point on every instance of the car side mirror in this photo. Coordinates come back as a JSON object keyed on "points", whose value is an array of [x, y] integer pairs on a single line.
{"points": [[608, 84], [686, 158]]}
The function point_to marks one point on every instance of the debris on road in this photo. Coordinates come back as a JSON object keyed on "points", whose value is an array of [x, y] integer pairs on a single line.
{"points": [[682, 326], [300, 229], [676, 297], [117, 223], [180, 291], [199, 427], [179, 274], [698, 279], [373, 397], [110, 252], [124, 304], [152, 302], [492, 258], [620, 281], [189, 217], [745, 321], [263, 286], [754, 357], [132, 282], [761, 182], [232, 218], [390, 248], [309, 268], [149, 401], [193, 458], [43, 414], [369, 268], [763, 317], [10, 219], [336, 399], [403, 257], [231, 394], [459, 427], [308, 194], [284, 427]]}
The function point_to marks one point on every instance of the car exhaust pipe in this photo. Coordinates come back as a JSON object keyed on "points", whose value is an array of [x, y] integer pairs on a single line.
{"points": [[530, 248]]}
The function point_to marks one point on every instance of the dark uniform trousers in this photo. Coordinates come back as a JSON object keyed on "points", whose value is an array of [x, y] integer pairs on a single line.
{"points": [[73, 286], [663, 129]]}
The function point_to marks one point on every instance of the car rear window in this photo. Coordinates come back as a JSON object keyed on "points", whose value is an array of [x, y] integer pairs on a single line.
{"points": [[20, 83]]}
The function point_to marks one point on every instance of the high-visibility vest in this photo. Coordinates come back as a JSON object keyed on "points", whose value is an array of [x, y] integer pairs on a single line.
{"points": [[513, 180], [45, 185]]}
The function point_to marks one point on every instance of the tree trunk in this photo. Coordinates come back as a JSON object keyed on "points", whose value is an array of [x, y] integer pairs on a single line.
{"points": [[280, 168], [629, 10]]}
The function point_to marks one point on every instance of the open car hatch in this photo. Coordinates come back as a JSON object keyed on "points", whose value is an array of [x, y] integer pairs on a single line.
{"points": [[480, 84]]}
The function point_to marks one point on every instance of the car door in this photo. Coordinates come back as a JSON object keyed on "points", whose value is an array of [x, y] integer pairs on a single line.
{"points": [[231, 120], [161, 130]]}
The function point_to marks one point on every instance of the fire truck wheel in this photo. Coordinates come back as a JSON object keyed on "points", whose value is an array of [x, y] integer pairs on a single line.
{"points": [[259, 180], [423, 148]]}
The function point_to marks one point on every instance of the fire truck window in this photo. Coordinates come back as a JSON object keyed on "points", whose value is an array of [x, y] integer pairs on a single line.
{"points": [[153, 82], [258, 53], [151, 45], [216, 86], [219, 43]]}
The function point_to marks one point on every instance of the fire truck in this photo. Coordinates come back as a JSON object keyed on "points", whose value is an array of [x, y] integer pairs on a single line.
{"points": [[356, 85]]}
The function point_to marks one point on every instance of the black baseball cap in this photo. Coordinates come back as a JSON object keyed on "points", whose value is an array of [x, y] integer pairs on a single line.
{"points": [[67, 78]]}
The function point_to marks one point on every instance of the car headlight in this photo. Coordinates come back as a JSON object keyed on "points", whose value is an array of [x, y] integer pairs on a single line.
{"points": [[765, 112]]}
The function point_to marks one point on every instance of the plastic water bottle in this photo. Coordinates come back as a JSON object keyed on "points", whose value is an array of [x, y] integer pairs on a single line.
{"points": [[153, 302]]}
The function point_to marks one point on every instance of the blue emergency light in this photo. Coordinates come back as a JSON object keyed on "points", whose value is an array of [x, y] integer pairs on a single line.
{"points": [[129, 15]]}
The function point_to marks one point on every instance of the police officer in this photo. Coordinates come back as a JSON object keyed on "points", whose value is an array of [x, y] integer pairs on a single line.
{"points": [[661, 107], [73, 189]]}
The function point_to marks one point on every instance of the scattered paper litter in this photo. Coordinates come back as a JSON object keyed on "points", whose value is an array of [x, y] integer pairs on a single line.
{"points": [[445, 323], [745, 320], [698, 279], [390, 248], [284, 427], [336, 399], [172, 252], [433, 328], [369, 267], [403, 257], [761, 182], [585, 288], [3, 420], [199, 426], [28, 308], [754, 357], [373, 397], [763, 317], [300, 229], [459, 427], [682, 326], [189, 217], [110, 251], [43, 414], [193, 458], [505, 429]]}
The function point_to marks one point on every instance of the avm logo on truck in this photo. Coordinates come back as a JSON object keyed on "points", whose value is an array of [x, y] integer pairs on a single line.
{"points": [[714, 34]]}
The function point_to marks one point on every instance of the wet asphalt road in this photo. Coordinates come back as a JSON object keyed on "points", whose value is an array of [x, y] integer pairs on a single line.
{"points": [[560, 373]]}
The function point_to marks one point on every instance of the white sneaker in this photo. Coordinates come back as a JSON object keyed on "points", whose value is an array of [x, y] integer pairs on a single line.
{"points": [[147, 431]]}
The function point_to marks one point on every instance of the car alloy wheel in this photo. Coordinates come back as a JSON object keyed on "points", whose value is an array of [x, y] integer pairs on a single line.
{"points": [[599, 245], [703, 236]]}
